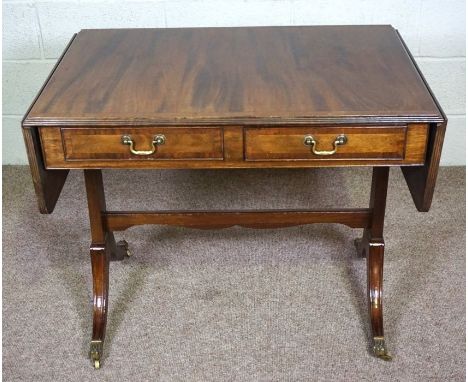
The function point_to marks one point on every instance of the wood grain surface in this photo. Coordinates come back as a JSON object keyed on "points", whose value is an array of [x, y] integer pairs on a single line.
{"points": [[106, 143], [47, 184], [233, 147], [235, 98], [310, 74], [275, 143]]}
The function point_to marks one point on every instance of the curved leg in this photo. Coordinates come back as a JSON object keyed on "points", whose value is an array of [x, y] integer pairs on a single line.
{"points": [[101, 255], [100, 269], [103, 249], [375, 259], [372, 246]]}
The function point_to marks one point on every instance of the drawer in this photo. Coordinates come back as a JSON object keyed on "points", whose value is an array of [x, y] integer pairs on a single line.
{"points": [[145, 143], [232, 146], [325, 143]]}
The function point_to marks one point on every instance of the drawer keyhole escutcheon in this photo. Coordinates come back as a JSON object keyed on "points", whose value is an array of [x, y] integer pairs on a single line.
{"points": [[158, 140], [340, 140]]}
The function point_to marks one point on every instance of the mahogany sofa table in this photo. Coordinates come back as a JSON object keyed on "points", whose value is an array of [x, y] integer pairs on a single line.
{"points": [[217, 98]]}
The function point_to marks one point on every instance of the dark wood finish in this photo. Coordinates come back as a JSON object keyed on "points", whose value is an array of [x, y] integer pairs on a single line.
{"points": [[102, 250], [421, 180], [96, 205], [264, 147], [234, 77], [305, 74], [354, 218], [235, 98], [276, 143], [100, 257], [373, 246], [47, 184], [100, 270], [106, 143]]}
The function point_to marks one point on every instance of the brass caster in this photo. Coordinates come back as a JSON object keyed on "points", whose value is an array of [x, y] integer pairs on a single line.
{"points": [[124, 245], [95, 353], [380, 350]]}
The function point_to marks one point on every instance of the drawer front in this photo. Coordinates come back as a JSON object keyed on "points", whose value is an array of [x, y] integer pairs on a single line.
{"points": [[325, 143], [149, 143], [233, 146]]}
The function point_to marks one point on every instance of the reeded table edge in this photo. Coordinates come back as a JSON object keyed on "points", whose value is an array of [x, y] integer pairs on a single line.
{"points": [[243, 121]]}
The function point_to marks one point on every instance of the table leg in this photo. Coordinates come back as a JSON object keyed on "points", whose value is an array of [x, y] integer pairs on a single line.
{"points": [[100, 269], [103, 249], [372, 246]]}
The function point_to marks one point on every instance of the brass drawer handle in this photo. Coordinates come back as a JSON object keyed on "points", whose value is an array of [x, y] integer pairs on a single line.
{"points": [[157, 141], [340, 140]]}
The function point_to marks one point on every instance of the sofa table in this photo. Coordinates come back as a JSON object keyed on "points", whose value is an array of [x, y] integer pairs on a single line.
{"points": [[220, 98]]}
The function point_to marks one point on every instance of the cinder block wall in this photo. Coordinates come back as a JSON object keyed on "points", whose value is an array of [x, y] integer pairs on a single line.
{"points": [[35, 33]]}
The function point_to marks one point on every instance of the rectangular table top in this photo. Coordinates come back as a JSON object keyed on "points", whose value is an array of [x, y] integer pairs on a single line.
{"points": [[248, 75]]}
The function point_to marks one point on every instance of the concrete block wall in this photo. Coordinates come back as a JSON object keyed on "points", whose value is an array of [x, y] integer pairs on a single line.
{"points": [[35, 32]]}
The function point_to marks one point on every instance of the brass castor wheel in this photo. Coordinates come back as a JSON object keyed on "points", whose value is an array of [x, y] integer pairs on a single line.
{"points": [[124, 245], [95, 352], [380, 350]]}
